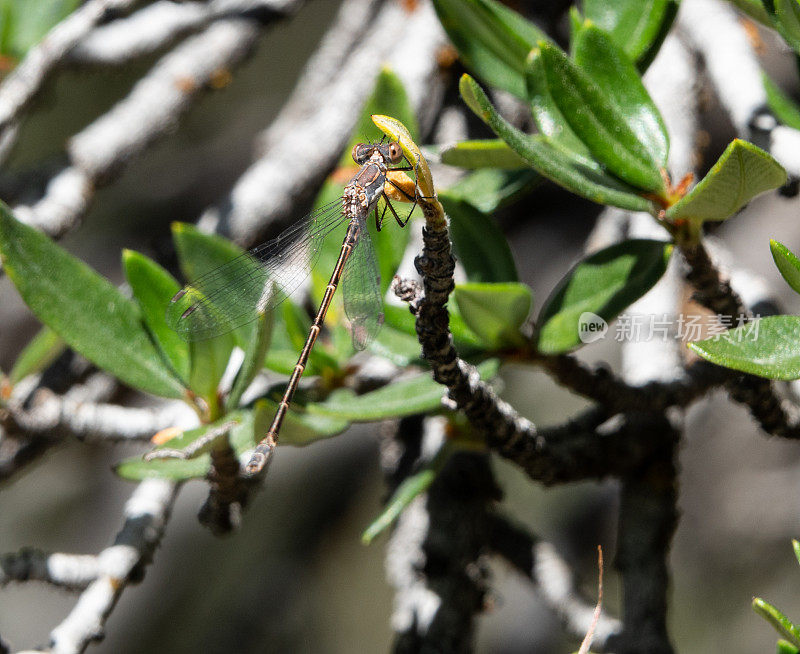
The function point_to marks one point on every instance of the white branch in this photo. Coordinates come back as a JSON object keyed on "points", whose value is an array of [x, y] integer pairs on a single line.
{"points": [[146, 515], [70, 571], [713, 29], [80, 412], [157, 25], [19, 88], [150, 111]]}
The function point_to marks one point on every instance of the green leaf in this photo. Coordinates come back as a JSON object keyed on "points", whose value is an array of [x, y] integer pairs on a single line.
{"points": [[740, 174], [253, 359], [491, 39], [785, 110], [608, 66], [778, 620], [486, 153], [200, 253], [603, 284], [598, 123], [405, 493], [768, 347], [784, 647], [788, 264], [153, 287], [419, 394], [549, 119], [210, 358], [299, 427], [26, 22], [489, 189], [43, 349], [557, 164], [84, 309], [242, 438], [796, 548], [399, 347], [637, 26], [480, 245], [495, 311], [785, 16]]}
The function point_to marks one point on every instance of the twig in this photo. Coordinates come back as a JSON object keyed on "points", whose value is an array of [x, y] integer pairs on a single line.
{"points": [[146, 516], [540, 561], [617, 395], [70, 571], [149, 112], [158, 25], [22, 85], [57, 416], [711, 289], [433, 559], [647, 520]]}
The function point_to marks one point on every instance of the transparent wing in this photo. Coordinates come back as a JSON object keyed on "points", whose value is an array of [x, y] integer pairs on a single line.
{"points": [[235, 293], [361, 291]]}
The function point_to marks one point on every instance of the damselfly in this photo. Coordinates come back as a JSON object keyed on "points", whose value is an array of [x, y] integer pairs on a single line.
{"points": [[239, 291]]}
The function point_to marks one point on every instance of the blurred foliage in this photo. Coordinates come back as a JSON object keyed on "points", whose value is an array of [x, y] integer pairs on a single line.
{"points": [[23, 23]]}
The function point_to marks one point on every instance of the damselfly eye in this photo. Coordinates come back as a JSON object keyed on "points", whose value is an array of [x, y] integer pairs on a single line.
{"points": [[360, 152], [395, 152]]}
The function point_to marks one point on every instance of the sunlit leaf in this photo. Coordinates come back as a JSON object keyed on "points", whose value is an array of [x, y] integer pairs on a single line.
{"points": [[768, 347], [83, 308], [598, 289]]}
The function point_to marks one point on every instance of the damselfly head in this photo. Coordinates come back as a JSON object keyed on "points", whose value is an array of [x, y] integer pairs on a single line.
{"points": [[391, 152]]}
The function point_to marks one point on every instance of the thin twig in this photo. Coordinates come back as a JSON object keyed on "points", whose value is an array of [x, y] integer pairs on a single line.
{"points": [[146, 516], [70, 571], [159, 25], [543, 565], [22, 85]]}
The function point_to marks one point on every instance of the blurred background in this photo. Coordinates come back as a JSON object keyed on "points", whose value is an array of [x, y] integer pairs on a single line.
{"points": [[296, 578]]}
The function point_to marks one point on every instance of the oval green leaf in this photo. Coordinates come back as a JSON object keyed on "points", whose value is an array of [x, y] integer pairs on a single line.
{"points": [[495, 311], [598, 123], [153, 287], [420, 394], [603, 284], [491, 39], [480, 245], [556, 164], [608, 65], [489, 188], [740, 174], [83, 308], [788, 264], [637, 26], [768, 347], [483, 153], [253, 362], [43, 349]]}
